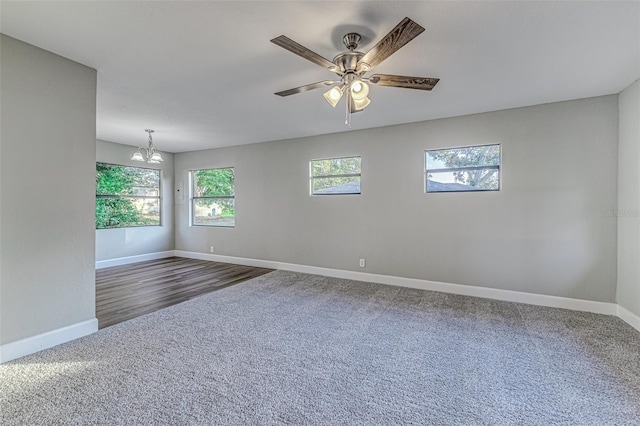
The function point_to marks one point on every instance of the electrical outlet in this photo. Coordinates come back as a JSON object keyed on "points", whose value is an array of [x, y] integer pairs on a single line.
{"points": [[362, 263], [211, 249]]}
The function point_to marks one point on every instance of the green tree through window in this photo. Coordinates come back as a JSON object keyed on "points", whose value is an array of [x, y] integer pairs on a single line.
{"points": [[473, 168], [213, 197], [126, 196], [331, 176]]}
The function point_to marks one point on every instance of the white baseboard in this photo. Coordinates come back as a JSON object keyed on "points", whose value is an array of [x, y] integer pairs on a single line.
{"points": [[629, 317], [133, 259], [231, 259], [466, 290], [20, 348]]}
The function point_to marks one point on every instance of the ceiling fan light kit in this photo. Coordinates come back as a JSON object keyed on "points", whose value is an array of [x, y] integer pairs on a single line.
{"points": [[352, 65]]}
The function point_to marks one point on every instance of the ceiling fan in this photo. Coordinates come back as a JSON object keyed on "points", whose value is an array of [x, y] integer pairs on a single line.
{"points": [[352, 65]]}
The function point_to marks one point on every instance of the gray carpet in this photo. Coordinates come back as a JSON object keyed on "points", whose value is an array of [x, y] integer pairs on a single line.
{"points": [[289, 348]]}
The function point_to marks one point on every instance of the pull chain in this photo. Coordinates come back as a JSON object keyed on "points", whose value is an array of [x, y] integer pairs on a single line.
{"points": [[347, 119], [346, 111]]}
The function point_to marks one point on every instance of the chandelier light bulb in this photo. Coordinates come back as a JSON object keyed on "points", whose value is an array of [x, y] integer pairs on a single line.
{"points": [[156, 157]]}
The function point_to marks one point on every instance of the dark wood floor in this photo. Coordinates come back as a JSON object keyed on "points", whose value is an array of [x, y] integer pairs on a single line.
{"points": [[128, 291]]}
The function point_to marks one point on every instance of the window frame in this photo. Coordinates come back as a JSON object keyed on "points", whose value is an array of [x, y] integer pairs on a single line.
{"points": [[312, 177], [453, 169], [134, 197], [194, 198]]}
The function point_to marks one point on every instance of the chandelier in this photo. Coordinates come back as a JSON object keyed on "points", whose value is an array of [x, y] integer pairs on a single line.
{"points": [[149, 154]]}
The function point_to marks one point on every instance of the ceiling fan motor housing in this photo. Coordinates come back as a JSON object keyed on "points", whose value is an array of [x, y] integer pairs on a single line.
{"points": [[347, 62]]}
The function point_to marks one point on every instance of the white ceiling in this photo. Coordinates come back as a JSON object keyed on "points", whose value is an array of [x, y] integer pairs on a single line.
{"points": [[203, 74]]}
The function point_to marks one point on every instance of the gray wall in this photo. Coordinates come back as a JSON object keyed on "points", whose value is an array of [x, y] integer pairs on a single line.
{"points": [[47, 188], [123, 242], [546, 232], [629, 200]]}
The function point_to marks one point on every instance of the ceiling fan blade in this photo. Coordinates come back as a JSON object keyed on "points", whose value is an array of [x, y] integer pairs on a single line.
{"points": [[306, 88], [402, 34], [422, 83], [293, 47]]}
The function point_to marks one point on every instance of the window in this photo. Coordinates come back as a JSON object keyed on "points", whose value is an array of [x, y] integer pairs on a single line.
{"points": [[126, 196], [472, 168], [213, 197], [335, 176]]}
